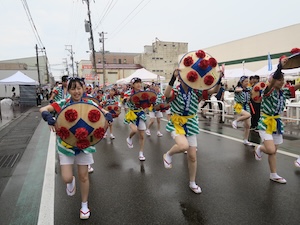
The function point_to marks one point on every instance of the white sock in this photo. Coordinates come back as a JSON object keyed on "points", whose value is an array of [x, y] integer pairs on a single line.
{"points": [[193, 184], [168, 157], [274, 175], [246, 141], [141, 153], [84, 206], [70, 186]]}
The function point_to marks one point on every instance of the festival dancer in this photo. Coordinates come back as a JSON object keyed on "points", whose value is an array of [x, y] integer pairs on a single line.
{"points": [[111, 99], [155, 113], [242, 107], [136, 118], [183, 124], [270, 126], [60, 92], [68, 155]]}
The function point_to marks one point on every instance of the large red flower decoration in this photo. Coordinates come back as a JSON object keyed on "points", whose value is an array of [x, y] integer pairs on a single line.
{"points": [[200, 54], [109, 108], [144, 96], [81, 133], [153, 99], [82, 144], [256, 88], [188, 61], [94, 115], [262, 85], [99, 133], [295, 50], [71, 115], [63, 133], [256, 98], [145, 105], [212, 62], [208, 79], [116, 108], [203, 64], [135, 99], [192, 76]]}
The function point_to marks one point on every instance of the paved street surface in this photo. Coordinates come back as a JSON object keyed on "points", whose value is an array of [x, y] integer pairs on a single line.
{"points": [[235, 187]]}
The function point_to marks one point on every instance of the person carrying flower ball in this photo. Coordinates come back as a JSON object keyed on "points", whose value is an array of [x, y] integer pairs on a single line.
{"points": [[135, 118], [242, 107], [68, 155], [183, 124], [270, 125]]}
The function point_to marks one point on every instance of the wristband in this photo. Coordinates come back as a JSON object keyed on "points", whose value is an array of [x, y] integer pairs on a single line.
{"points": [[172, 81]]}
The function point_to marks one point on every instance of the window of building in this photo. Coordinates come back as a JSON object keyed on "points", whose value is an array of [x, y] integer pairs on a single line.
{"points": [[115, 60], [125, 61], [120, 61]]}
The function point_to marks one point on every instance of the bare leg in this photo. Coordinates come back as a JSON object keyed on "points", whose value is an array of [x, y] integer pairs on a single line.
{"points": [[84, 182], [246, 128], [158, 124], [141, 139], [192, 162], [133, 130], [150, 123], [180, 146], [67, 173]]}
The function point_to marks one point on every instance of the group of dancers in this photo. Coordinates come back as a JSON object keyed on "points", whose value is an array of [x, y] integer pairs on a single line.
{"points": [[198, 77]]}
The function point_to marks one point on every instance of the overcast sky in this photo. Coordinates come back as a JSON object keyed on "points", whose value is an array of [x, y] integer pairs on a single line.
{"points": [[132, 24]]}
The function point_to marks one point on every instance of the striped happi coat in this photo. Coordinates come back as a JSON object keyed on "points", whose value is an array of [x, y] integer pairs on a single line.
{"points": [[132, 106], [243, 98], [178, 107], [159, 96], [59, 93], [273, 103], [61, 146]]}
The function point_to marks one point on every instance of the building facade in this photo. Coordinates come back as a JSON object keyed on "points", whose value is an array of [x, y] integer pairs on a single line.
{"points": [[161, 57]]}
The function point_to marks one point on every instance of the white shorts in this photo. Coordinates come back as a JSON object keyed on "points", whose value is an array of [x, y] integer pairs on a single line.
{"points": [[277, 138], [168, 111], [80, 159], [142, 125], [156, 114], [192, 140]]}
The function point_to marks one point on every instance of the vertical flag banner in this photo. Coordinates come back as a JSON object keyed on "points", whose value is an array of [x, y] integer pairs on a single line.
{"points": [[269, 62]]}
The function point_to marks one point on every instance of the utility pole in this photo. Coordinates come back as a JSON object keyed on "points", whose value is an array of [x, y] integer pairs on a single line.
{"points": [[69, 49], [103, 57], [88, 28], [65, 61], [77, 68], [37, 64]]}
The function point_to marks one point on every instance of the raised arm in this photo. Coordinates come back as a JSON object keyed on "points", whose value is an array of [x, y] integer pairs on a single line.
{"points": [[171, 83]]}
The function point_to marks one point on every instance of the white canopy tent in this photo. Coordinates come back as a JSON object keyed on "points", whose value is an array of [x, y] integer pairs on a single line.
{"points": [[237, 73], [265, 72], [144, 75], [18, 78]]}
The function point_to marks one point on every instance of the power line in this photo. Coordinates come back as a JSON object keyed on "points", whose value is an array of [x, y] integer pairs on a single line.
{"points": [[36, 34], [107, 11]]}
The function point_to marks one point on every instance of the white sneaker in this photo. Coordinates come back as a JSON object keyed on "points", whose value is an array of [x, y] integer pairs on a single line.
{"points": [[90, 169], [159, 134], [73, 191], [112, 136], [129, 142], [234, 124], [148, 132]]}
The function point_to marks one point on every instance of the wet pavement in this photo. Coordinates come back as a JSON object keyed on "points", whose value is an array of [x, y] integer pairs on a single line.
{"points": [[235, 187]]}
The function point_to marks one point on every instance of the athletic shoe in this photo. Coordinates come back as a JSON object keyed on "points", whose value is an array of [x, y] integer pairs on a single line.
{"points": [[90, 169], [196, 190], [159, 134], [257, 153], [129, 142], [112, 136], [234, 124], [246, 142], [148, 132], [85, 215], [280, 180], [73, 191]]}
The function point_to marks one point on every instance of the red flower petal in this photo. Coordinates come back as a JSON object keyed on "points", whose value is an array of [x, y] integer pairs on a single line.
{"points": [[144, 105], [212, 62], [262, 85], [136, 99], [94, 115], [81, 133], [192, 76], [256, 98], [116, 108], [295, 50], [208, 79], [82, 144], [71, 115], [145, 96], [63, 133], [256, 88], [109, 108], [99, 133], [153, 99], [188, 61], [203, 64], [200, 54]]}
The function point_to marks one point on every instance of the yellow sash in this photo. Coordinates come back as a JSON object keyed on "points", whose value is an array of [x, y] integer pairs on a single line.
{"points": [[151, 108], [130, 115], [179, 121], [238, 107], [66, 145], [271, 123]]}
